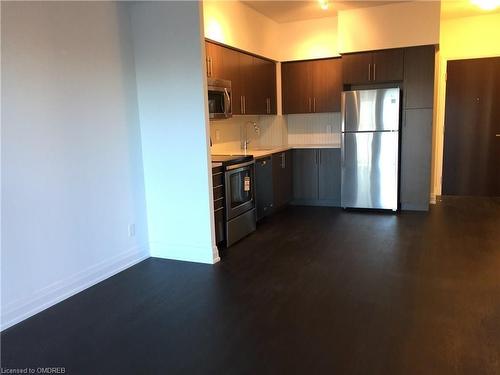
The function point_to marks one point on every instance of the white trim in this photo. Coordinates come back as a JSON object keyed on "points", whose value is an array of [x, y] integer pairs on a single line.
{"points": [[48, 296], [187, 253]]}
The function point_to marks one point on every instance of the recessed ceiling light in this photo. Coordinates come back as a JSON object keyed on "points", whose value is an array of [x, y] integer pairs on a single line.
{"points": [[323, 4], [486, 4]]}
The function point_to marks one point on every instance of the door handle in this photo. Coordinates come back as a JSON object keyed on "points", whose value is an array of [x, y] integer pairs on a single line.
{"points": [[497, 135], [310, 105], [374, 71], [241, 105], [314, 104], [369, 70]]}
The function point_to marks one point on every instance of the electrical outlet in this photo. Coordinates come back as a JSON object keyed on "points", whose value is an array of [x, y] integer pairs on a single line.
{"points": [[131, 230], [217, 135]]}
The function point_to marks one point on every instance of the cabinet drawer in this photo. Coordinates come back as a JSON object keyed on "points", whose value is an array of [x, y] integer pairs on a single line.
{"points": [[217, 179], [219, 226], [218, 203], [218, 192]]}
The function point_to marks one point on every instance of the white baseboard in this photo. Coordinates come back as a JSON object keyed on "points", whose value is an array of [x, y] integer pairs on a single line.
{"points": [[433, 199], [197, 254], [46, 297]]}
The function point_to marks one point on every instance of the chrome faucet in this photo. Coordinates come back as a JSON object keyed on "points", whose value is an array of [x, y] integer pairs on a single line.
{"points": [[245, 141]]}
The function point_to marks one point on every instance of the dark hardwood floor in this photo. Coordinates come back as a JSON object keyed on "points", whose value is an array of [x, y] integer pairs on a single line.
{"points": [[313, 291]]}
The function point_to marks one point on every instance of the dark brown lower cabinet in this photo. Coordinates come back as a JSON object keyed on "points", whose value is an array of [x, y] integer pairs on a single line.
{"points": [[416, 151], [264, 195], [282, 178], [219, 198], [316, 177]]}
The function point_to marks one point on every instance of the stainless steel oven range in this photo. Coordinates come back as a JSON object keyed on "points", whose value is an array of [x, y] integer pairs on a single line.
{"points": [[239, 178]]}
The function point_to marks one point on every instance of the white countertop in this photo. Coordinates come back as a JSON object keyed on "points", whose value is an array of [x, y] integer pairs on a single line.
{"points": [[260, 153]]}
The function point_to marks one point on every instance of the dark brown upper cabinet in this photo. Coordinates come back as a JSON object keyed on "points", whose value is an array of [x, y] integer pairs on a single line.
{"points": [[312, 86], [215, 60], [296, 86], [419, 76], [327, 85], [253, 79], [373, 67]]}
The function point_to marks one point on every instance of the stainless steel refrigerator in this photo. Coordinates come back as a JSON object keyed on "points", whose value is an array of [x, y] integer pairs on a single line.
{"points": [[370, 148]]}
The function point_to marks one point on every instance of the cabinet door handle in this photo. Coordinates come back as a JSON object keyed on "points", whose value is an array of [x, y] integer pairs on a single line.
{"points": [[369, 70], [314, 104], [310, 105], [245, 103], [283, 162], [241, 104], [374, 71]]}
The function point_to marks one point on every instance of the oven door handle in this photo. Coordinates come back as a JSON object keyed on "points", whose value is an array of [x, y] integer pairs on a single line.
{"points": [[236, 166]]}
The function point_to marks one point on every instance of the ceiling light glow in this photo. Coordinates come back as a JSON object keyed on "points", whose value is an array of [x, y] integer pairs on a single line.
{"points": [[486, 4], [323, 4]]}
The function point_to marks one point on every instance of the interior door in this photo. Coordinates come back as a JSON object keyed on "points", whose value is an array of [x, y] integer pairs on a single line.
{"points": [[472, 128]]}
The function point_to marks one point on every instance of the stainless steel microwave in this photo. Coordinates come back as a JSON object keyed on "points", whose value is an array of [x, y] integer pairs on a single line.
{"points": [[219, 99]]}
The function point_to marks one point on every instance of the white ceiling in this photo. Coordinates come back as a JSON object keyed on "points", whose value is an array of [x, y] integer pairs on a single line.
{"points": [[462, 8], [289, 11]]}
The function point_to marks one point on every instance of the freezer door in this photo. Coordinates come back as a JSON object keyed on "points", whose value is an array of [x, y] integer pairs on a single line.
{"points": [[370, 110], [370, 170]]}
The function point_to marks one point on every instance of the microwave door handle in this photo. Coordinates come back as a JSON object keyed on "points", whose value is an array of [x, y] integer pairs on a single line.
{"points": [[228, 103]]}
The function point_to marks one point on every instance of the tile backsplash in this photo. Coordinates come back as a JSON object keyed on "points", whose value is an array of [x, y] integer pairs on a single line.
{"points": [[227, 135], [315, 128]]}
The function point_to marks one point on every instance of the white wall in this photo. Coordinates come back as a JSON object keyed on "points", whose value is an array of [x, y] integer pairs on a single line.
{"points": [[309, 39], [235, 24], [171, 89], [389, 26], [72, 178]]}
